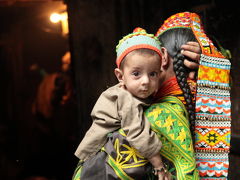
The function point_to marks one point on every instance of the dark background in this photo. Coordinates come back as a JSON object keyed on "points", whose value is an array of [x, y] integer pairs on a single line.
{"points": [[33, 146]]}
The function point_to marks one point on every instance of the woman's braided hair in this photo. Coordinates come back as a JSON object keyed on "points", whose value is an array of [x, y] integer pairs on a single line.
{"points": [[172, 40]]}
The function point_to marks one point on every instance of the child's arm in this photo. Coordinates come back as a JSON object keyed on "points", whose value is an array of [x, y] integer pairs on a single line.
{"points": [[104, 115], [137, 127]]}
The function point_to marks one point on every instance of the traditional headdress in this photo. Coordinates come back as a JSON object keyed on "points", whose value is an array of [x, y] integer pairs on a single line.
{"points": [[213, 113], [137, 40]]}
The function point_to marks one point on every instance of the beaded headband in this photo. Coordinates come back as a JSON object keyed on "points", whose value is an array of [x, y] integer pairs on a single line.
{"points": [[137, 40], [213, 105]]}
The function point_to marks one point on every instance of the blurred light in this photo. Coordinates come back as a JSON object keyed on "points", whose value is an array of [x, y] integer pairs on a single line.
{"points": [[64, 16], [55, 17], [63, 19]]}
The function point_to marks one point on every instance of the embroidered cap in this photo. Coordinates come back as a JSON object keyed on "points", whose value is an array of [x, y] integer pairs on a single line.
{"points": [[179, 20], [137, 40], [191, 21]]}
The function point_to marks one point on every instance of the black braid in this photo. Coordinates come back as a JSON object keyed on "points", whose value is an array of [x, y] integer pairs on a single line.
{"points": [[172, 40], [181, 75]]}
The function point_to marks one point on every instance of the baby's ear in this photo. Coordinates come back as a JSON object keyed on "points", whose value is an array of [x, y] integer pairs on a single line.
{"points": [[119, 74], [165, 59]]}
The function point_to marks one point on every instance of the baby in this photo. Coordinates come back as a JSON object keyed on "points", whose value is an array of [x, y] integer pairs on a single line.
{"points": [[122, 106]]}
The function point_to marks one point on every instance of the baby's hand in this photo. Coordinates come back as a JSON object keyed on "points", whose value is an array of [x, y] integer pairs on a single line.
{"points": [[162, 174]]}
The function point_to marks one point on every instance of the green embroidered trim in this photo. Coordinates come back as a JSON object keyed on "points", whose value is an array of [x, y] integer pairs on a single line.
{"points": [[78, 171], [127, 157], [122, 132], [119, 172], [168, 120]]}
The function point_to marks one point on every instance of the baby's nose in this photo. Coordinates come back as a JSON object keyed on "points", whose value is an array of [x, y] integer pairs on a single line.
{"points": [[145, 80]]}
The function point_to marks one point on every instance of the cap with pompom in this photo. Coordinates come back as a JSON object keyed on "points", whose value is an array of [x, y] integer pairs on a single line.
{"points": [[137, 40]]}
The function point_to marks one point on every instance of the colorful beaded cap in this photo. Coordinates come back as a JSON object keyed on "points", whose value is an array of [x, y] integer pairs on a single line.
{"points": [[180, 20], [191, 21], [137, 40], [213, 105]]}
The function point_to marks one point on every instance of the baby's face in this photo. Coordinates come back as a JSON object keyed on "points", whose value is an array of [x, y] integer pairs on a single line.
{"points": [[141, 74]]}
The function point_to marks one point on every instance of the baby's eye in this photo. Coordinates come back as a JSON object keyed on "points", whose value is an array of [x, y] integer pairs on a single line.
{"points": [[153, 73], [135, 73]]}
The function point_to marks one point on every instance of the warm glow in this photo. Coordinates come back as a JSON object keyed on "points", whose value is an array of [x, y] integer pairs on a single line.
{"points": [[64, 16], [63, 19], [55, 17]]}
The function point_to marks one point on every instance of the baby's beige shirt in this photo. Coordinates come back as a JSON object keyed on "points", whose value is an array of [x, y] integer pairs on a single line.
{"points": [[116, 108]]}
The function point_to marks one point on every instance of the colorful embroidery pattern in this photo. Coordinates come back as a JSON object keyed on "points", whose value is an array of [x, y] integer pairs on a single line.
{"points": [[212, 166], [214, 72], [213, 116], [213, 109], [168, 119], [123, 157], [124, 154], [179, 20], [119, 160], [206, 44], [212, 136], [213, 106]]}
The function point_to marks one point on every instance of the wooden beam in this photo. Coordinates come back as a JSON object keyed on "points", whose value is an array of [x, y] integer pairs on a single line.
{"points": [[235, 145]]}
